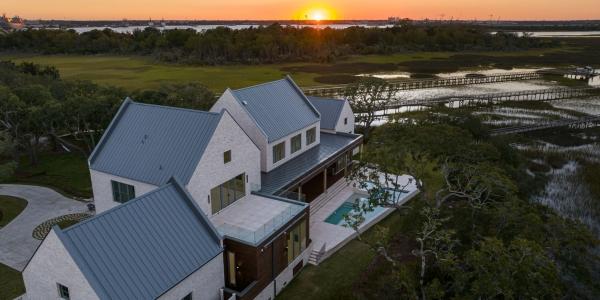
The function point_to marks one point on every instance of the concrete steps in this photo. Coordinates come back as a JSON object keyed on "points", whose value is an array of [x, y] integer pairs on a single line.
{"points": [[320, 201]]}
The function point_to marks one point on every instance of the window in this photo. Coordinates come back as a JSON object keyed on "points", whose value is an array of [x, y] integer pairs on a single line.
{"points": [[122, 192], [296, 143], [311, 135], [63, 291], [187, 297], [224, 194], [345, 121], [296, 241], [227, 156], [279, 152], [231, 268]]}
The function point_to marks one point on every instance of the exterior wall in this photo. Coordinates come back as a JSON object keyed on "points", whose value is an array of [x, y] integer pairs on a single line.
{"points": [[288, 146], [211, 170], [284, 278], [50, 265], [103, 197], [346, 113], [227, 101], [204, 284]]}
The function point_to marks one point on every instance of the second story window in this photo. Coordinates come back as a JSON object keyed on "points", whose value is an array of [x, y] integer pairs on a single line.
{"points": [[278, 152], [227, 156], [345, 121], [63, 292], [122, 192], [296, 143], [311, 135]]}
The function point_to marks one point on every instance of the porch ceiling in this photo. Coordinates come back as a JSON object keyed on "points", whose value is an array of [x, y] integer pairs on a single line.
{"points": [[331, 146]]}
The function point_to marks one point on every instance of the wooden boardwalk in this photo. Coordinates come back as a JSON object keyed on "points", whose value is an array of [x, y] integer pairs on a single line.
{"points": [[412, 84], [459, 101], [585, 122]]}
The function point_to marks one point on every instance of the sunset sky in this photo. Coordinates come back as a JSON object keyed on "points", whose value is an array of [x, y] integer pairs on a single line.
{"points": [[300, 9]]}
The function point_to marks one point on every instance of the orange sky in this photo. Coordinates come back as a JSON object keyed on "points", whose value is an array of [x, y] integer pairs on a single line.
{"points": [[294, 9]]}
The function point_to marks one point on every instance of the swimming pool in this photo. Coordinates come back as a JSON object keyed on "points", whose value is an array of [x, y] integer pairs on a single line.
{"points": [[347, 207]]}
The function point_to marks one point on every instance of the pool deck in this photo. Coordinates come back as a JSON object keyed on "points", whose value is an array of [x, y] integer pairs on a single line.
{"points": [[328, 237]]}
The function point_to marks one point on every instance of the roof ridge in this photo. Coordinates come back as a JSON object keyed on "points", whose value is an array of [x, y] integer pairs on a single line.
{"points": [[116, 208], [258, 84], [176, 108]]}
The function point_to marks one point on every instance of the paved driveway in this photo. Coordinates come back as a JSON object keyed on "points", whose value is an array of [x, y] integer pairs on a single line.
{"points": [[16, 243]]}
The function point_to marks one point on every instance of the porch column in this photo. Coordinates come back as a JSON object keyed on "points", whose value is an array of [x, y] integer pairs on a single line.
{"points": [[325, 180], [300, 193]]}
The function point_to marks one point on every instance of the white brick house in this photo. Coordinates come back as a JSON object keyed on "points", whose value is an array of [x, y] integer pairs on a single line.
{"points": [[230, 187]]}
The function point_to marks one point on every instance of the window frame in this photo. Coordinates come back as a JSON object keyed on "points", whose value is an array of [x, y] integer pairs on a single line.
{"points": [[61, 295], [280, 152], [227, 157], [297, 139], [122, 192], [311, 135]]}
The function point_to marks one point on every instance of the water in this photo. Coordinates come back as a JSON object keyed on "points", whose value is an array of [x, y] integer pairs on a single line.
{"points": [[562, 34], [201, 28], [488, 72], [338, 216]]}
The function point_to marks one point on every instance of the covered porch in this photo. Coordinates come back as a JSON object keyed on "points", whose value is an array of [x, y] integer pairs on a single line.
{"points": [[311, 174]]}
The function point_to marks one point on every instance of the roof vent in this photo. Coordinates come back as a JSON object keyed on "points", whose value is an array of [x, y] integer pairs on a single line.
{"points": [[244, 102]]}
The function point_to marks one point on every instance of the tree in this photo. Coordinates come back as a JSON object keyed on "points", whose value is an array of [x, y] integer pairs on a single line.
{"points": [[368, 97], [7, 164]]}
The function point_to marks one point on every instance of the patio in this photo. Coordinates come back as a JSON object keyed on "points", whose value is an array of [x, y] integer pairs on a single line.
{"points": [[327, 238]]}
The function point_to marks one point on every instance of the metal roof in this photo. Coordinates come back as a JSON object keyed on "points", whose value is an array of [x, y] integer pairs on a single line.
{"points": [[152, 143], [331, 144], [143, 248], [279, 107], [330, 110]]}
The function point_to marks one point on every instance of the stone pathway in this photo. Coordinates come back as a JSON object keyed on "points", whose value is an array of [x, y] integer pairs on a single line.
{"points": [[17, 244]]}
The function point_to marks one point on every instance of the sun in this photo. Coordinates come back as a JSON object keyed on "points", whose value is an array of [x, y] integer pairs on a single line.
{"points": [[316, 13]]}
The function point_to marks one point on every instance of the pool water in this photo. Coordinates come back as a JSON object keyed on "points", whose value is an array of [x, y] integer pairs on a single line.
{"points": [[338, 215]]}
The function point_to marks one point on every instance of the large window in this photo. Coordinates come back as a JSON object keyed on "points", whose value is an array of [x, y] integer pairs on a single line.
{"points": [[63, 291], [223, 195], [279, 152], [296, 143], [296, 241], [122, 192], [311, 135]]}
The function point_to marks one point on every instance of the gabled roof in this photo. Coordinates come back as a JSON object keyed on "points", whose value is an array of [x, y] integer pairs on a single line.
{"points": [[279, 107], [330, 110], [152, 143], [143, 248]]}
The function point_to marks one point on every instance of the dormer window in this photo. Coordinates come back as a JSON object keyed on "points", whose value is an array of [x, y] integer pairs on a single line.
{"points": [[296, 143], [227, 156], [311, 135], [279, 152]]}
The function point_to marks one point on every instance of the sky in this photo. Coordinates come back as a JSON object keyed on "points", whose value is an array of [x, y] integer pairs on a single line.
{"points": [[301, 9]]}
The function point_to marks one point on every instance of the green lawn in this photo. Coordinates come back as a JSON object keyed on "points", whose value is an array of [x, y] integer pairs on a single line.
{"points": [[66, 173], [11, 283], [336, 277], [10, 207]]}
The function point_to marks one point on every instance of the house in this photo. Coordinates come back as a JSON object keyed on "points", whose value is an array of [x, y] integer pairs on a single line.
{"points": [[251, 166], [157, 246]]}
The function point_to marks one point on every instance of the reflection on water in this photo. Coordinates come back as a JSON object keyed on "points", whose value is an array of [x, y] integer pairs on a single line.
{"points": [[560, 33], [488, 72]]}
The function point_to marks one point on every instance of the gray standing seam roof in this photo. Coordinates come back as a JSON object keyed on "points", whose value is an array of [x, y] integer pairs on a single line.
{"points": [[331, 144], [330, 110], [279, 107], [152, 143], [143, 248]]}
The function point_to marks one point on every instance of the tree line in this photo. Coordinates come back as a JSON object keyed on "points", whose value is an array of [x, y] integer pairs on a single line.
{"points": [[265, 44], [38, 108]]}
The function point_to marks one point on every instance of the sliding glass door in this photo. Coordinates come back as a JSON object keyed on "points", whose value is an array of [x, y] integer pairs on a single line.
{"points": [[224, 194]]}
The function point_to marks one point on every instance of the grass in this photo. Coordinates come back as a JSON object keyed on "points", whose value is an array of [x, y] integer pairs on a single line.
{"points": [[10, 208], [11, 283], [338, 276], [64, 224], [65, 172], [139, 72]]}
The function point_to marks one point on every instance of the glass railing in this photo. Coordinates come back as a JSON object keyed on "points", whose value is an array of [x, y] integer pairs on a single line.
{"points": [[270, 226]]}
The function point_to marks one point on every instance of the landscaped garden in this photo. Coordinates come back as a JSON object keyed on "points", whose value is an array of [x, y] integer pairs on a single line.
{"points": [[10, 208]]}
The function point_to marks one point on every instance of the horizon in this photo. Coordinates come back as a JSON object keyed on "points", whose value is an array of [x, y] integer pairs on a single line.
{"points": [[334, 10]]}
